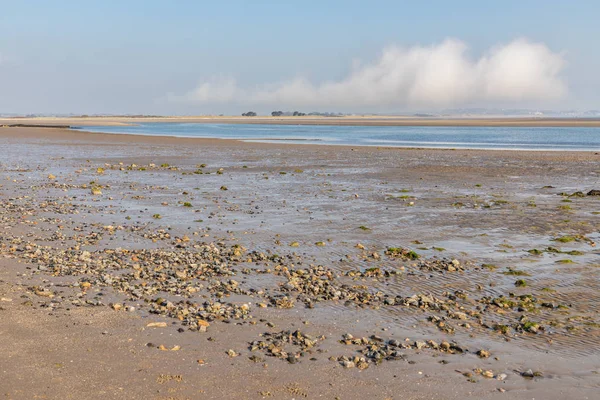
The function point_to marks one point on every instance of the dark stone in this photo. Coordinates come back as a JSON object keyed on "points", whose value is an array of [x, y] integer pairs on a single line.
{"points": [[291, 359]]}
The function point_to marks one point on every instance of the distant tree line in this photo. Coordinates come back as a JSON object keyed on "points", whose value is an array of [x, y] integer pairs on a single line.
{"points": [[287, 114], [301, 114], [294, 114]]}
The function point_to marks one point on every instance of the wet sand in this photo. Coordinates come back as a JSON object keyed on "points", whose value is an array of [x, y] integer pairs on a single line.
{"points": [[326, 239], [311, 120]]}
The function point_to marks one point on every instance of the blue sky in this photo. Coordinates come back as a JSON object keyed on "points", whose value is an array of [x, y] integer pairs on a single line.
{"points": [[155, 56]]}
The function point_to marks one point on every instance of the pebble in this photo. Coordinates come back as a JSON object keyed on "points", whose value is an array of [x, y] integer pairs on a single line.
{"points": [[483, 353], [157, 325], [232, 353], [191, 282]]}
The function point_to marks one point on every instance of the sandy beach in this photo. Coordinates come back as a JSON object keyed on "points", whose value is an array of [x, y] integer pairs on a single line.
{"points": [[167, 268], [311, 120]]}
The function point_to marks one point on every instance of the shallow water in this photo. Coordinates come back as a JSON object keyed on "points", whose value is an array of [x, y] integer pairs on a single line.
{"points": [[513, 138]]}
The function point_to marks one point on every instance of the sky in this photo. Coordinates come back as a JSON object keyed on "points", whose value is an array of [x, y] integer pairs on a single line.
{"points": [[207, 57]]}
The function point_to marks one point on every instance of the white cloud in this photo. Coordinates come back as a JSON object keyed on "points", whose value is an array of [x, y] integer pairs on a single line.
{"points": [[440, 75], [218, 90]]}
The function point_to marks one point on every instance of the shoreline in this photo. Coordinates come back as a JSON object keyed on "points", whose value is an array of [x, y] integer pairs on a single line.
{"points": [[325, 143], [287, 142]]}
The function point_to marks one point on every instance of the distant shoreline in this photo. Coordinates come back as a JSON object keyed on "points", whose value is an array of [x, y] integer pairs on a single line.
{"points": [[334, 121]]}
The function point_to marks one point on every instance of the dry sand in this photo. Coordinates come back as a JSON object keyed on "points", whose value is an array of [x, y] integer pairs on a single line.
{"points": [[477, 207], [310, 120]]}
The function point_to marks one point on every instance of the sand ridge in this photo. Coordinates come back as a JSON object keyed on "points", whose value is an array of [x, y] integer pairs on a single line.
{"points": [[310, 120]]}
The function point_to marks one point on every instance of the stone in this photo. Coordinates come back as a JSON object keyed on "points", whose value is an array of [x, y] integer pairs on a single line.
{"points": [[362, 364], [203, 325], [44, 293], [419, 344], [157, 325], [528, 374], [487, 374], [483, 353], [232, 353], [85, 285], [292, 359]]}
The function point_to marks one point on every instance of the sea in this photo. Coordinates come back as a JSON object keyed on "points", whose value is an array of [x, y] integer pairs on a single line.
{"points": [[493, 138]]}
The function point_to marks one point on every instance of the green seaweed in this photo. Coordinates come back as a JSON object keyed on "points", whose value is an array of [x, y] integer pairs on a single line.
{"points": [[565, 239], [520, 283], [514, 272]]}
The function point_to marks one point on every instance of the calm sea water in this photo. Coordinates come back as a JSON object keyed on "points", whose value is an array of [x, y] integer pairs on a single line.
{"points": [[568, 138]]}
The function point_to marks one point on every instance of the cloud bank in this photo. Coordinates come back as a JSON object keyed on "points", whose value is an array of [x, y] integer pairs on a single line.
{"points": [[440, 75]]}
